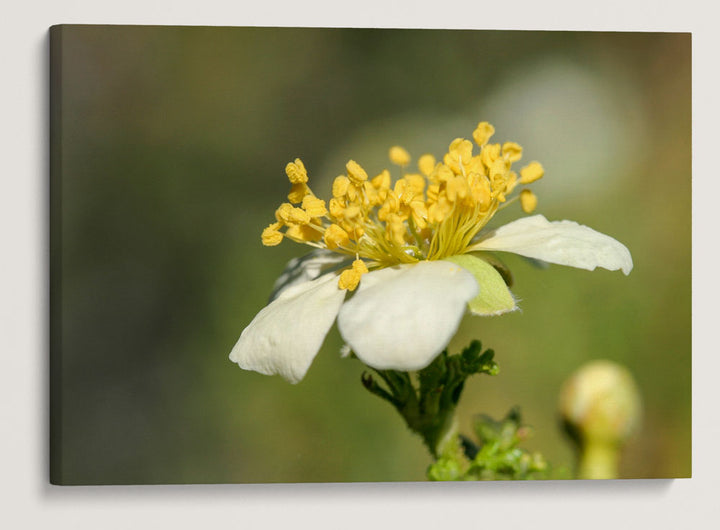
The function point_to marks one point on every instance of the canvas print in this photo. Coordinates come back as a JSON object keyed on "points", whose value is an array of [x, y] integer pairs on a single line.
{"points": [[360, 255]]}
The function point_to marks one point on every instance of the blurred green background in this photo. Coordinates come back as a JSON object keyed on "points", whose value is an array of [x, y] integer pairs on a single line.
{"points": [[172, 145]]}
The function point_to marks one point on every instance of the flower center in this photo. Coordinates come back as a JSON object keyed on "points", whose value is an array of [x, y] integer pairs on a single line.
{"points": [[428, 215]]}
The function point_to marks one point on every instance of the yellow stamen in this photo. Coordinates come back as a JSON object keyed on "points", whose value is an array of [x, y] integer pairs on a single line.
{"points": [[336, 237], [350, 278], [399, 156], [271, 236], [528, 201], [429, 215], [296, 172], [532, 172], [482, 133], [356, 173]]}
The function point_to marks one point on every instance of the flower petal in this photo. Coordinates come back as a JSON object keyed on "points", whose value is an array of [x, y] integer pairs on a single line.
{"points": [[307, 268], [561, 242], [402, 317], [285, 336], [493, 298]]}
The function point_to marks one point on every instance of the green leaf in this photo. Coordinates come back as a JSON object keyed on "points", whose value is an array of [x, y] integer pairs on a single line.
{"points": [[494, 298]]}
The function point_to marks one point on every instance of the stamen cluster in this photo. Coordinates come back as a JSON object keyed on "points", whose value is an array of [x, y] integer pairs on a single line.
{"points": [[426, 215]]}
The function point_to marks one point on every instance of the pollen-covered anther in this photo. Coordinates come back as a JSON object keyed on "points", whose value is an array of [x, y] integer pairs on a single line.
{"points": [[532, 172], [336, 237], [350, 278], [296, 172], [340, 186], [356, 173], [399, 156], [460, 150], [303, 233], [483, 132], [288, 214], [528, 201], [313, 206], [272, 236], [426, 164], [298, 192], [512, 152]]}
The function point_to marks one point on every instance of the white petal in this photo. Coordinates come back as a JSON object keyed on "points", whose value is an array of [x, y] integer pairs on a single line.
{"points": [[402, 317], [307, 268], [286, 335], [561, 242]]}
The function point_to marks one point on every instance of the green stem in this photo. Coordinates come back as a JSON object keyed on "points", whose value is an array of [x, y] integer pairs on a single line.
{"points": [[598, 461]]}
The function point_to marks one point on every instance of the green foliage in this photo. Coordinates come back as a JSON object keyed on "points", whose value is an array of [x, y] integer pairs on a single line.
{"points": [[496, 457], [428, 405]]}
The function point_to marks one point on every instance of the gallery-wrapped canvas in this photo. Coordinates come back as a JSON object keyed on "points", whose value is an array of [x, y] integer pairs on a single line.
{"points": [[368, 255]]}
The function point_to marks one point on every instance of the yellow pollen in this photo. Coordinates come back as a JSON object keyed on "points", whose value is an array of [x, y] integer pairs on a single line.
{"points": [[399, 156], [350, 278], [298, 192], [336, 237], [426, 164], [296, 172], [528, 201], [482, 133], [512, 151], [431, 214], [313, 206], [272, 236], [340, 186], [532, 172], [356, 173]]}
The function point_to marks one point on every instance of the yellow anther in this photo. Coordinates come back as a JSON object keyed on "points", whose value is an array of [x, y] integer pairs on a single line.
{"points": [[440, 210], [356, 173], [481, 192], [432, 193], [352, 212], [532, 172], [460, 149], [298, 192], [302, 233], [313, 206], [511, 180], [296, 172], [335, 237], [528, 201], [490, 153], [396, 230], [282, 214], [382, 181], [288, 214], [475, 165], [415, 183], [340, 186], [272, 236], [337, 206], [483, 132], [350, 278], [419, 213], [512, 151], [443, 173], [399, 156], [497, 169], [457, 188], [426, 164]]}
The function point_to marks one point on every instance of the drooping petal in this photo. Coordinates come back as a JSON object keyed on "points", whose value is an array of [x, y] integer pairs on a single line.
{"points": [[561, 242], [286, 335], [494, 297], [402, 317], [307, 268]]}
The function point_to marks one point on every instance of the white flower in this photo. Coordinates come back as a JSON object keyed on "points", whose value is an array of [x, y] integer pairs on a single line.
{"points": [[415, 258]]}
